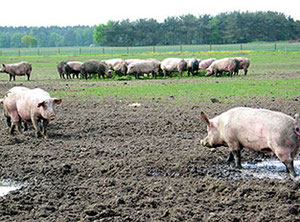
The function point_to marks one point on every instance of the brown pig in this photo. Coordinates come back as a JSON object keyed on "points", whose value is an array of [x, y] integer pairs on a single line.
{"points": [[17, 69], [256, 129], [29, 105]]}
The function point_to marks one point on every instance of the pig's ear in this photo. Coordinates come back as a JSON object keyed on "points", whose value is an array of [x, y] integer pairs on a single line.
{"points": [[41, 104], [3, 65], [57, 101], [205, 118]]}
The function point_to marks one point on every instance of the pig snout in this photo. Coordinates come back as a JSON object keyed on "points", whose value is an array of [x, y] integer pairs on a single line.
{"points": [[52, 117], [205, 142]]}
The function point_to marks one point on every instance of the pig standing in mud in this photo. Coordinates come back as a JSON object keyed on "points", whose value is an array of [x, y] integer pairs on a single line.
{"points": [[17, 69], [256, 129], [29, 105]]}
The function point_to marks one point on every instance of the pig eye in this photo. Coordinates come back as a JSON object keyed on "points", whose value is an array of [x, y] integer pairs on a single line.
{"points": [[297, 129]]}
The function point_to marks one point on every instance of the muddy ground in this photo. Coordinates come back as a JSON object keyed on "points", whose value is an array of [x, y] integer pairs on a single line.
{"points": [[107, 161]]}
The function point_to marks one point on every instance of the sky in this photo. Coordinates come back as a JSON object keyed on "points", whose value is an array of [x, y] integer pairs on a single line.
{"points": [[95, 12]]}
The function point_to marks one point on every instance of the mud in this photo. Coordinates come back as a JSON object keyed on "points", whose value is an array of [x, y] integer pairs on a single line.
{"points": [[107, 161]]}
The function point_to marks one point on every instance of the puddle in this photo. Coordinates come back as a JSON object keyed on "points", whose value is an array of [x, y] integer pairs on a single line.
{"points": [[273, 169], [7, 186]]}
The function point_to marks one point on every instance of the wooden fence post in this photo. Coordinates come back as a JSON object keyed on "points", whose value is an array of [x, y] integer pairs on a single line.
{"points": [[210, 47], [181, 48], [127, 50], [19, 52], [80, 51], [275, 47], [153, 49], [241, 47], [103, 52]]}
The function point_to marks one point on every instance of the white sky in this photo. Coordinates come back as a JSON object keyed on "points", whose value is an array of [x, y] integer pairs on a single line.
{"points": [[94, 12]]}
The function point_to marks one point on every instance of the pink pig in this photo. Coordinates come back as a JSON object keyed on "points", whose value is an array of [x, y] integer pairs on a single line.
{"points": [[256, 129], [29, 105]]}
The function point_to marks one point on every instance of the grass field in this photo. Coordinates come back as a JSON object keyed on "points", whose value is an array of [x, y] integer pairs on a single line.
{"points": [[271, 74], [259, 46]]}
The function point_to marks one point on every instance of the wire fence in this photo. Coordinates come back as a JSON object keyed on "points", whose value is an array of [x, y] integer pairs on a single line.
{"points": [[150, 49]]}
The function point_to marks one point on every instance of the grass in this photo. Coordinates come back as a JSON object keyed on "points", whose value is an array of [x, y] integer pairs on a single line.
{"points": [[271, 74], [226, 90]]}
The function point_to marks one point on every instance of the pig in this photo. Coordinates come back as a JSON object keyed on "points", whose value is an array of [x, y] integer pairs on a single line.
{"points": [[61, 69], [259, 130], [244, 64], [170, 65], [119, 66], [192, 66], [144, 66], [72, 67], [95, 67], [17, 69], [30, 105], [204, 64], [15, 89], [222, 65]]}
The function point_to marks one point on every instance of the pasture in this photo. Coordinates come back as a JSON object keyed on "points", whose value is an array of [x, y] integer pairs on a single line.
{"points": [[108, 160]]}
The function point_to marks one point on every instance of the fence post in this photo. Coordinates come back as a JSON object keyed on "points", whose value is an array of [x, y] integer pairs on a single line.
{"points": [[38, 51], [58, 51], [241, 47], [103, 52], [210, 47], [275, 47], [127, 50], [19, 52], [181, 48], [153, 49], [80, 51]]}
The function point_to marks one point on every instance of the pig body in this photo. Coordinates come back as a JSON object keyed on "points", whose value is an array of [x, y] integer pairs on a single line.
{"points": [[95, 67], [256, 129], [222, 65], [61, 69], [139, 68], [72, 67], [204, 64], [117, 65], [192, 66], [170, 65], [244, 64], [29, 105], [17, 69]]}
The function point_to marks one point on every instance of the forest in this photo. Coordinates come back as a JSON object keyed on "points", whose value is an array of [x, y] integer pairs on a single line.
{"points": [[224, 28]]}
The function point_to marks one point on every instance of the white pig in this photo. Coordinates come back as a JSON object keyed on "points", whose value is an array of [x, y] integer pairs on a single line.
{"points": [[256, 129], [31, 105]]}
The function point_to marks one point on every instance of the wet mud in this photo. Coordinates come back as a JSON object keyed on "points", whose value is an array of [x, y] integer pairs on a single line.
{"points": [[105, 160]]}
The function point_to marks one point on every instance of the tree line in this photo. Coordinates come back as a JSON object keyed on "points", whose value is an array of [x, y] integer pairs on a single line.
{"points": [[224, 28]]}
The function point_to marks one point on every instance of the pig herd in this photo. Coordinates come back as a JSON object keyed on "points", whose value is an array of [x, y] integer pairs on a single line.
{"points": [[136, 67], [139, 67], [259, 130]]}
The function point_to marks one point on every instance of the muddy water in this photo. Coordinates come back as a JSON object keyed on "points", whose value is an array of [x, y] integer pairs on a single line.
{"points": [[273, 169], [6, 187]]}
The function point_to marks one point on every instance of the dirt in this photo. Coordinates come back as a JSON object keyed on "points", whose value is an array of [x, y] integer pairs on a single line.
{"points": [[104, 160]]}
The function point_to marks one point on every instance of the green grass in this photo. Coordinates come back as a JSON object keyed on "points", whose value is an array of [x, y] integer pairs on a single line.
{"points": [[271, 74], [226, 91]]}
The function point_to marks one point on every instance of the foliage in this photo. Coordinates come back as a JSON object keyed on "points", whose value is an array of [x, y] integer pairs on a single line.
{"points": [[225, 28], [29, 41]]}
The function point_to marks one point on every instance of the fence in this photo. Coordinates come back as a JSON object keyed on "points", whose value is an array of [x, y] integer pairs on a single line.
{"points": [[150, 49]]}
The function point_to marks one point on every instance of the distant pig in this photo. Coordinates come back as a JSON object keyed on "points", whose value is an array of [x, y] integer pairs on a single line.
{"points": [[204, 64], [244, 64], [256, 129], [222, 65], [29, 105], [17, 69]]}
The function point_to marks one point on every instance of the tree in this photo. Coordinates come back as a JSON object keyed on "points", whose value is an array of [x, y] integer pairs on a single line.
{"points": [[29, 41]]}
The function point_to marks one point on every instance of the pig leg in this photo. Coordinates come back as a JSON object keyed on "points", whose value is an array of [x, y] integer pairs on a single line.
{"points": [[236, 153], [28, 76], [36, 127], [15, 122], [290, 168], [230, 158], [44, 126]]}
